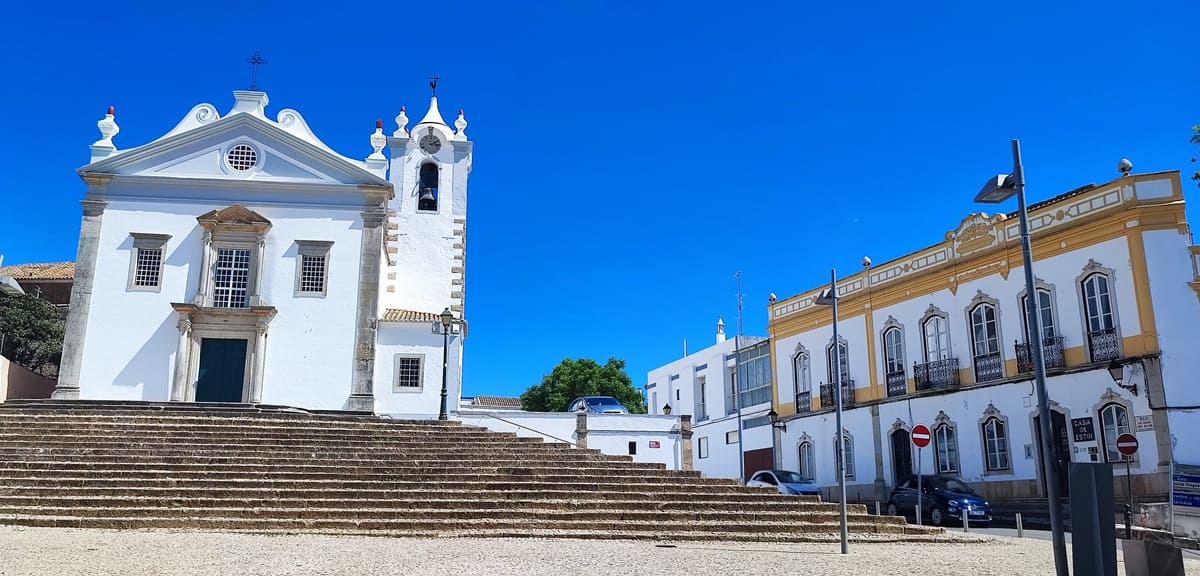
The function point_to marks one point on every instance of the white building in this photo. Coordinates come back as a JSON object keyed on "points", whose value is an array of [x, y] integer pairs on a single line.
{"points": [[702, 386], [938, 337], [237, 258]]}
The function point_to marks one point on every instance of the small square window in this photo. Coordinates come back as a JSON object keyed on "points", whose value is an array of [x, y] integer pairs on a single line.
{"points": [[408, 373], [145, 266], [731, 437], [312, 267]]}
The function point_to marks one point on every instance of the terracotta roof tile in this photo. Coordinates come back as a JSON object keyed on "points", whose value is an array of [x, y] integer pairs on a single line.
{"points": [[40, 271], [399, 315], [498, 401]]}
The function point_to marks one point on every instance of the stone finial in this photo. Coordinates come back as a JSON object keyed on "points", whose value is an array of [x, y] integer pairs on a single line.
{"points": [[461, 124], [108, 128], [401, 124], [378, 141]]}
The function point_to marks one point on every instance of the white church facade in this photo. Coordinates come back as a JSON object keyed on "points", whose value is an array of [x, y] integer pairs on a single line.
{"points": [[238, 258]]}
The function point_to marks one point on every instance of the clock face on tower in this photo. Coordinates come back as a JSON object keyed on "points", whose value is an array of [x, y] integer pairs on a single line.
{"points": [[430, 144]]}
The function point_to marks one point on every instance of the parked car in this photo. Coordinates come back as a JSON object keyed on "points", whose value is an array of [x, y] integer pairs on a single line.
{"points": [[943, 501], [597, 405], [786, 481]]}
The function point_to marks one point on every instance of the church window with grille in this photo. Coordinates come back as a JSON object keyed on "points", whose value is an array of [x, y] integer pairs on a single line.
{"points": [[312, 270], [146, 266], [232, 278], [408, 372]]}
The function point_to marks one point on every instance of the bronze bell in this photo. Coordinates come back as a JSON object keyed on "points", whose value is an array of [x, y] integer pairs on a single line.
{"points": [[427, 200]]}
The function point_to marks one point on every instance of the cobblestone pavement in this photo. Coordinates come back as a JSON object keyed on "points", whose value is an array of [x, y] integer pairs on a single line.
{"points": [[62, 551]]}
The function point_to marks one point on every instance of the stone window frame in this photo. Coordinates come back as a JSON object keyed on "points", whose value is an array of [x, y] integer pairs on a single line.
{"points": [[702, 447], [979, 300], [312, 248], [990, 414], [804, 442], [848, 463], [940, 422], [799, 385], [931, 313], [699, 381], [893, 325], [731, 437], [144, 241], [1113, 398], [233, 227], [396, 387], [1093, 268], [1039, 285]]}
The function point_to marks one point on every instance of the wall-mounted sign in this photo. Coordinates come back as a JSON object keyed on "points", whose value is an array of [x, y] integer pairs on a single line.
{"points": [[654, 443], [1084, 429], [1145, 423], [1185, 483]]}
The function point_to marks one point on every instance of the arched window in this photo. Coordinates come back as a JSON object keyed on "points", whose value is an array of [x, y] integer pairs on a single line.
{"points": [[428, 192], [808, 468], [1114, 419], [985, 341], [1103, 340], [893, 350], [995, 443], [801, 372], [945, 441], [849, 453], [937, 338], [1044, 311], [842, 356]]}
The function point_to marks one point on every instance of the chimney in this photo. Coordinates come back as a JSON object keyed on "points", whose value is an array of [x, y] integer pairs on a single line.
{"points": [[720, 330]]}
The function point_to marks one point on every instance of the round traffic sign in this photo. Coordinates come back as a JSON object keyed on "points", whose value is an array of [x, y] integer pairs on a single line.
{"points": [[1127, 444], [920, 436]]}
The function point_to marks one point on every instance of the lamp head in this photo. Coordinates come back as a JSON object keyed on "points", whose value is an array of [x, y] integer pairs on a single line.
{"points": [[773, 416], [1117, 371], [997, 189], [1124, 166], [447, 318], [667, 409], [825, 298]]}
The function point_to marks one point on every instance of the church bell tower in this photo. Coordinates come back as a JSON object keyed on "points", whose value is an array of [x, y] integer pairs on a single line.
{"points": [[425, 245]]}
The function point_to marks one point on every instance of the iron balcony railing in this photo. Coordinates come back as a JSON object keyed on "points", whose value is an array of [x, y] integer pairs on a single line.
{"points": [[897, 383], [936, 374], [989, 366], [804, 402], [827, 399], [1104, 345], [1052, 354]]}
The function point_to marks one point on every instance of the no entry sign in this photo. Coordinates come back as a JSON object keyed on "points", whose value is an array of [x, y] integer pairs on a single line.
{"points": [[920, 436], [1127, 444]]}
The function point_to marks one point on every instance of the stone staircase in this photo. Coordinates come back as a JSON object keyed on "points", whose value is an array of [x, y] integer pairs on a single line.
{"points": [[272, 469]]}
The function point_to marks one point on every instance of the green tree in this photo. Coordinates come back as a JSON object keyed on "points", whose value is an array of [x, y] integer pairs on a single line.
{"points": [[32, 332], [583, 377], [1196, 141]]}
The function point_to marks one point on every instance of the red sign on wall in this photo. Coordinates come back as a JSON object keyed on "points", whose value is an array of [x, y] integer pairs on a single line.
{"points": [[654, 443]]}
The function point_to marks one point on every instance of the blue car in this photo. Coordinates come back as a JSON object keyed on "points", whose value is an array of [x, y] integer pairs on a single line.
{"points": [[944, 500]]}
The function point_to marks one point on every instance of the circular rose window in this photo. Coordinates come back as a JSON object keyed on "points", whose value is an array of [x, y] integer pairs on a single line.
{"points": [[242, 157]]}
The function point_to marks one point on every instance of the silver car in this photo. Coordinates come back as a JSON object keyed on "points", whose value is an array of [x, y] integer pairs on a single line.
{"points": [[597, 405], [786, 481]]}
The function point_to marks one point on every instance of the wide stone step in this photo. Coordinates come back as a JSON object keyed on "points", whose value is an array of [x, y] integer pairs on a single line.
{"points": [[460, 475], [465, 514], [287, 458], [267, 481], [75, 429], [88, 469], [436, 525], [482, 454], [236, 420], [330, 447], [778, 507], [334, 490]]}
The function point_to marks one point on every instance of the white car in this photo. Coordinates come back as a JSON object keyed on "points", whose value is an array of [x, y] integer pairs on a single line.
{"points": [[786, 481]]}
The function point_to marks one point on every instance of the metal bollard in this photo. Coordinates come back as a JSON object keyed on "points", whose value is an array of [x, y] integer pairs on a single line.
{"points": [[1020, 528], [965, 518], [877, 508]]}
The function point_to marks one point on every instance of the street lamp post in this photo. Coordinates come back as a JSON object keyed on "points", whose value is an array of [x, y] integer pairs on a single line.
{"points": [[998, 189], [829, 297], [445, 325]]}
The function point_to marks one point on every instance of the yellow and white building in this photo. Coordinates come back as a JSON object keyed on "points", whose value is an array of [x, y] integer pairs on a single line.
{"points": [[938, 337]]}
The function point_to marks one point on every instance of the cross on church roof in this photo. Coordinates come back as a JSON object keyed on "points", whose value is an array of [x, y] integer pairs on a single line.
{"points": [[255, 61], [433, 83]]}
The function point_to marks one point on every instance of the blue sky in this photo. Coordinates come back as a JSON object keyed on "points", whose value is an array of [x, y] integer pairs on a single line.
{"points": [[632, 156]]}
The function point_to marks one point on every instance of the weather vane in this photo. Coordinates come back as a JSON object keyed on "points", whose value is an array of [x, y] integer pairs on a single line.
{"points": [[255, 61], [433, 83]]}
